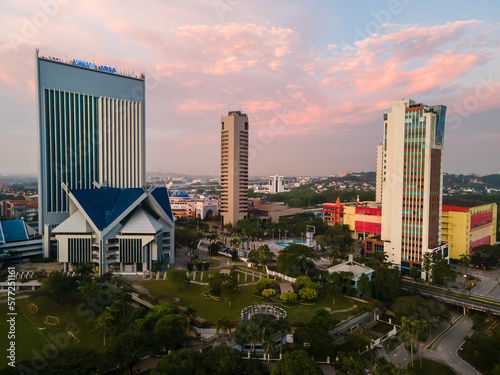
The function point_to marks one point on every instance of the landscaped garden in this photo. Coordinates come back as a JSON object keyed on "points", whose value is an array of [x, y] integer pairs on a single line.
{"points": [[211, 307]]}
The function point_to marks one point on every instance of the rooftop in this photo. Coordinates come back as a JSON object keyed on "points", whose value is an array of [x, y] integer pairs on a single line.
{"points": [[463, 202]]}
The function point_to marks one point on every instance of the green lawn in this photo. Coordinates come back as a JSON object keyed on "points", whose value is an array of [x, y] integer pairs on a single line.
{"points": [[430, 367], [211, 309], [30, 339]]}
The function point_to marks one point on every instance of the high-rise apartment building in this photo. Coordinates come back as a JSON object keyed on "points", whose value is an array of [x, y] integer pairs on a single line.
{"points": [[380, 172], [412, 182], [91, 132], [234, 167], [276, 184]]}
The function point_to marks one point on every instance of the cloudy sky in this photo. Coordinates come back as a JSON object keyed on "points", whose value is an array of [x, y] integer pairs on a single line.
{"points": [[314, 77]]}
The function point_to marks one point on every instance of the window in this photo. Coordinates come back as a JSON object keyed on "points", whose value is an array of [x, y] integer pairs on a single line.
{"points": [[246, 125], [222, 125]]}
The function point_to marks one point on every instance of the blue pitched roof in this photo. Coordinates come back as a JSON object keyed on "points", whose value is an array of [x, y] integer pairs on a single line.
{"points": [[160, 194], [180, 194], [104, 205], [14, 230]]}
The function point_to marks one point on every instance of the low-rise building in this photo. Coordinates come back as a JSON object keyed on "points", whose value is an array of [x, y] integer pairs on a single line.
{"points": [[357, 269], [122, 230], [273, 212], [468, 224], [364, 218], [194, 205]]}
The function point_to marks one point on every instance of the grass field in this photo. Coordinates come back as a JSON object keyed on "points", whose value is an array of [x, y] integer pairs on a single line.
{"points": [[211, 309], [30, 339]]}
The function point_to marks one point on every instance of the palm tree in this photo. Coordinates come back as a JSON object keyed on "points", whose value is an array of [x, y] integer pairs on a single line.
{"points": [[253, 334], [223, 326], [190, 313], [283, 327], [241, 334], [268, 346]]}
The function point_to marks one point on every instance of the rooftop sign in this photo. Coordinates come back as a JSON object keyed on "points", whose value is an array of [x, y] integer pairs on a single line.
{"points": [[90, 65]]}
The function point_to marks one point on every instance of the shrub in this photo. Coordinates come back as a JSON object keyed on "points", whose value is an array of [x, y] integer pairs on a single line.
{"points": [[308, 294], [267, 293], [289, 296], [199, 266], [265, 283], [190, 266], [206, 266]]}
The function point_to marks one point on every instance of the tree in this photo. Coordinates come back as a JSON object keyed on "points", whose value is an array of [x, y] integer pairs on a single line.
{"points": [[414, 272], [317, 341], [296, 363], [321, 318], [289, 297], [340, 282], [337, 241], [170, 332], [409, 333], [283, 327], [295, 260], [59, 287], [222, 326], [107, 322], [386, 283], [126, 350], [438, 269], [364, 287], [182, 361], [268, 345], [215, 283], [214, 247], [262, 255], [228, 289], [358, 340], [349, 364]]}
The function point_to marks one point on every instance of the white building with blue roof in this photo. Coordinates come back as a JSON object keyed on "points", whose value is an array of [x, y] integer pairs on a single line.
{"points": [[120, 230]]}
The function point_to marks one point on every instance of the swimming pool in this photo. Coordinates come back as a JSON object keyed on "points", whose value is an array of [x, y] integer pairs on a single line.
{"points": [[290, 243]]}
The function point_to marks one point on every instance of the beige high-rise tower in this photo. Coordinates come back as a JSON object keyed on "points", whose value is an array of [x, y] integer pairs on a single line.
{"points": [[234, 167], [412, 183]]}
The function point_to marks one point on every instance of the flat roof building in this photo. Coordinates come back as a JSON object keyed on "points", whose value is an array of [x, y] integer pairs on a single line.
{"points": [[91, 133], [412, 182], [234, 167]]}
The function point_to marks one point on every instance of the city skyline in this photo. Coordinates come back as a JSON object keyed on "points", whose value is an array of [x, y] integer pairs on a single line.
{"points": [[315, 79]]}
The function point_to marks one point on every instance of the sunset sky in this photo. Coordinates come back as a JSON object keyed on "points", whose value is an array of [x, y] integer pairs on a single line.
{"points": [[314, 77]]}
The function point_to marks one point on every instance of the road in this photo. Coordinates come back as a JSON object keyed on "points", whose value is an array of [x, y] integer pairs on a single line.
{"points": [[488, 284], [444, 351]]}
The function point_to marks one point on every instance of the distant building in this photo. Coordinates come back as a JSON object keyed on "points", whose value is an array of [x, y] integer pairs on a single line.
{"points": [[468, 224], [91, 132], [276, 184], [17, 209], [18, 239], [364, 218], [412, 182], [273, 212], [121, 230], [234, 167], [194, 205]]}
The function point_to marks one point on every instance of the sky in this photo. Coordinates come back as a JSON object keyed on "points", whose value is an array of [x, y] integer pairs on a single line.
{"points": [[315, 78]]}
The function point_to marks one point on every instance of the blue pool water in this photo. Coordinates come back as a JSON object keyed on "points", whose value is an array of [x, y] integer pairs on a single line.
{"points": [[290, 243]]}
